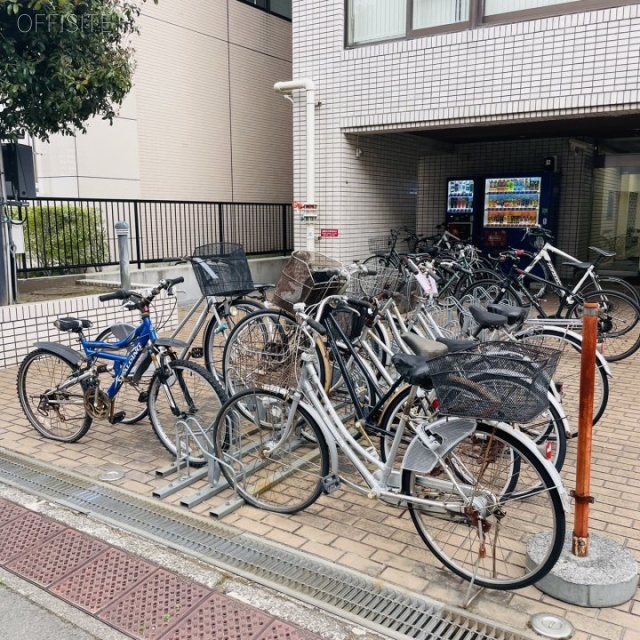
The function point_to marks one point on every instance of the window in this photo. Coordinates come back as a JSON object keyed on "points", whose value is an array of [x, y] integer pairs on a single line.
{"points": [[378, 20], [280, 8]]}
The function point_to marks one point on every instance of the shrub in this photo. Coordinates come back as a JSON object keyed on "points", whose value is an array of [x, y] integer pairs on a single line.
{"points": [[64, 238]]}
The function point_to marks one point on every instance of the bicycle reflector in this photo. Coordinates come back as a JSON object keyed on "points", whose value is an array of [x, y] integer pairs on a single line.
{"points": [[435, 404]]}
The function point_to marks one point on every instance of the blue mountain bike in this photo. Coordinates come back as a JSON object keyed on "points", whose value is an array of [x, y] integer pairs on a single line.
{"points": [[60, 388]]}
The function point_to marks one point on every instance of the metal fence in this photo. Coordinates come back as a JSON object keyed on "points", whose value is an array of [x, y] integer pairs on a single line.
{"points": [[67, 235]]}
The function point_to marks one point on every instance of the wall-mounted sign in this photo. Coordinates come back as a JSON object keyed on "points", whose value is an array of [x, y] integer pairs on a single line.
{"points": [[328, 233]]}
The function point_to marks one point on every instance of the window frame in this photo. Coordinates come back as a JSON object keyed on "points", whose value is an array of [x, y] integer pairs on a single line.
{"points": [[267, 9], [477, 18]]}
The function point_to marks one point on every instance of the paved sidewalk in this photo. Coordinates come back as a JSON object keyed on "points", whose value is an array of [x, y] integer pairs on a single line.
{"points": [[377, 540]]}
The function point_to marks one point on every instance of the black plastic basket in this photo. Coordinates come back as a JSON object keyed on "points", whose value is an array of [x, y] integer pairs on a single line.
{"points": [[505, 381], [221, 269], [308, 277]]}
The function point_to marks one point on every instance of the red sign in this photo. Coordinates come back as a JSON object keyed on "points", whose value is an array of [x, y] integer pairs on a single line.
{"points": [[328, 233], [495, 238]]}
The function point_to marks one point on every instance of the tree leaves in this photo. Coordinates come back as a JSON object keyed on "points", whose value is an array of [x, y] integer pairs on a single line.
{"points": [[62, 62]]}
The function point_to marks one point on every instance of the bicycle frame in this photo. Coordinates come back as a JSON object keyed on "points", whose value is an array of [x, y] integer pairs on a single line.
{"points": [[136, 343]]}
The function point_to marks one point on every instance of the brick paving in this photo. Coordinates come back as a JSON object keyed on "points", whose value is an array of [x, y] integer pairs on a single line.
{"points": [[373, 538]]}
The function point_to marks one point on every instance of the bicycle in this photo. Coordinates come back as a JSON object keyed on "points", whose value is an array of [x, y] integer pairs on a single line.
{"points": [[224, 278], [471, 486], [384, 248], [60, 392], [541, 264], [618, 315]]}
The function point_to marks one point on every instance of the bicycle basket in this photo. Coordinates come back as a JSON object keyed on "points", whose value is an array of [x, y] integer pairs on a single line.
{"points": [[385, 280], [503, 381], [380, 244], [269, 353], [308, 277], [351, 321], [222, 269]]}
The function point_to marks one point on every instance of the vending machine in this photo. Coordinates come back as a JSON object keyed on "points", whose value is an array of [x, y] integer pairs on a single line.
{"points": [[462, 203], [513, 203]]}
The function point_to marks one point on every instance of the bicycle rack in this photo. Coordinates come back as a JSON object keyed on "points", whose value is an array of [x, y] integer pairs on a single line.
{"points": [[187, 476]]}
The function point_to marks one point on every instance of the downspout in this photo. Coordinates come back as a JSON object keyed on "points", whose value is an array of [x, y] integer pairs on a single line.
{"points": [[309, 208]]}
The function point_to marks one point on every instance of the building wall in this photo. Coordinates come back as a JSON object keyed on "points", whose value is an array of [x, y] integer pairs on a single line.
{"points": [[568, 66], [203, 121]]}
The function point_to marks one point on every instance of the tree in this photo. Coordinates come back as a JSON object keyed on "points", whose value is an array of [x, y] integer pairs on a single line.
{"points": [[62, 62]]}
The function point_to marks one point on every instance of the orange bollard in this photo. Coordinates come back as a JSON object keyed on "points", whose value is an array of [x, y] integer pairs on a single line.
{"points": [[580, 545]]}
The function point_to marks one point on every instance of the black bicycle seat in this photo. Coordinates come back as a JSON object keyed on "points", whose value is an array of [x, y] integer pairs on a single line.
{"points": [[454, 345], [514, 315], [578, 266], [412, 369], [72, 324], [263, 287], [486, 319]]}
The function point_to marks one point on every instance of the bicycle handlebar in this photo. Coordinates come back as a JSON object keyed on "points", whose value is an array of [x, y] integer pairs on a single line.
{"points": [[124, 294]]}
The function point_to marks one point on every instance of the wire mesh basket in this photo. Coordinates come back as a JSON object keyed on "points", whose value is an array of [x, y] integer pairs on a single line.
{"points": [[504, 381], [351, 322], [380, 244], [308, 277], [267, 353], [385, 280], [222, 269]]}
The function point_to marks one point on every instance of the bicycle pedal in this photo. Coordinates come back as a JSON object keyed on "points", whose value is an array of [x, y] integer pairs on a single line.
{"points": [[118, 417], [143, 397], [330, 483], [197, 352]]}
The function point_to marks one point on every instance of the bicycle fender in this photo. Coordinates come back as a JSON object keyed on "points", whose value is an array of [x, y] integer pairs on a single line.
{"points": [[171, 342], [73, 357], [434, 441]]}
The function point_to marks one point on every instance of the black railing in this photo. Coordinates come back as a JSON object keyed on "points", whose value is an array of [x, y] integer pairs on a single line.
{"points": [[68, 235]]}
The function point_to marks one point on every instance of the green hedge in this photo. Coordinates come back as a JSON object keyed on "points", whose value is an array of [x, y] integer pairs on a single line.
{"points": [[64, 238]]}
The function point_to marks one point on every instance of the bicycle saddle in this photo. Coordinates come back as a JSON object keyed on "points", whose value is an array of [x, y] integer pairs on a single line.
{"points": [[263, 287], [412, 369], [514, 315], [603, 252], [579, 266], [72, 324], [486, 319], [423, 346], [454, 345]]}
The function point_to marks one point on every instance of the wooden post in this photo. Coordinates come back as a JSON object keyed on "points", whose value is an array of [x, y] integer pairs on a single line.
{"points": [[580, 546]]}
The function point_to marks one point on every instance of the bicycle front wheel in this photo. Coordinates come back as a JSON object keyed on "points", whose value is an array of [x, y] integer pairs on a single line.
{"points": [[272, 453], [56, 413], [618, 323], [479, 527], [180, 390]]}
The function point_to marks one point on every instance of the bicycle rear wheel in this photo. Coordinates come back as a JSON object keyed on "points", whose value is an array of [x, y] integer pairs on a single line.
{"points": [[55, 414], [483, 537], [274, 455], [618, 323], [195, 394]]}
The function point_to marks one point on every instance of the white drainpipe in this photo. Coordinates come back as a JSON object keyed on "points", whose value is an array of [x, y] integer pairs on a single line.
{"points": [[309, 208]]}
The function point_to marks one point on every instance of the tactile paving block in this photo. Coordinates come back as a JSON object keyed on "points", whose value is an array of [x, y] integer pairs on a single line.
{"points": [[57, 557], [155, 605], [220, 617], [9, 511], [24, 533], [282, 631], [102, 580]]}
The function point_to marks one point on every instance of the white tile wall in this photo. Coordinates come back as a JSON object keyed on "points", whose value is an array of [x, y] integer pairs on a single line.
{"points": [[556, 67], [24, 324]]}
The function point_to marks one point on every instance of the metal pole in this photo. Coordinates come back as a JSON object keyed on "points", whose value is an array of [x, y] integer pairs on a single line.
{"points": [[580, 544], [5, 271], [122, 234]]}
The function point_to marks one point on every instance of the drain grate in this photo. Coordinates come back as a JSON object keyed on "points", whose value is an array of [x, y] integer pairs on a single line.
{"points": [[336, 589]]}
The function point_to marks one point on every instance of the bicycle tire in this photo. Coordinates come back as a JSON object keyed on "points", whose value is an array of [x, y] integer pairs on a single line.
{"points": [[611, 283], [286, 478], [196, 393], [262, 335], [40, 372], [568, 371], [507, 521], [214, 340], [618, 323], [131, 398]]}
